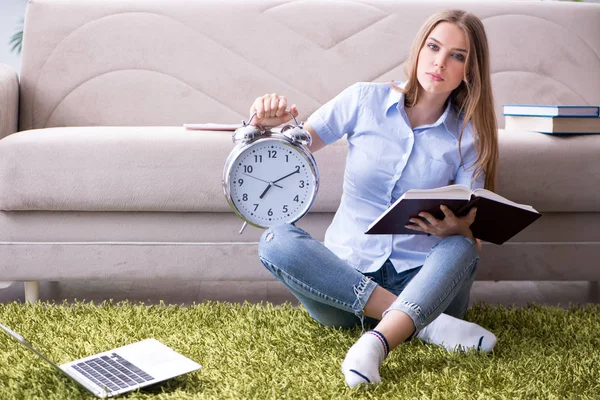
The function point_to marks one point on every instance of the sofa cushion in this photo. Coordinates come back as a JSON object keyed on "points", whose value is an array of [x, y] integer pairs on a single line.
{"points": [[173, 169], [127, 169]]}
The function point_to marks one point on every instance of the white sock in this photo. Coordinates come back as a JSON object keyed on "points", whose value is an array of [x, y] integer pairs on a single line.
{"points": [[362, 361], [457, 334]]}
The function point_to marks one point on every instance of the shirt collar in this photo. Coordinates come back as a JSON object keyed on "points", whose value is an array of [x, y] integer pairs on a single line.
{"points": [[394, 97], [450, 117]]}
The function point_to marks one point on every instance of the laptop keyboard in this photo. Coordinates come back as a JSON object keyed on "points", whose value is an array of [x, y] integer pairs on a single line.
{"points": [[113, 372]]}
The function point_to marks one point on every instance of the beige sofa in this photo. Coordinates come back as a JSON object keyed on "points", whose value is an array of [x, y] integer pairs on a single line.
{"points": [[98, 179]]}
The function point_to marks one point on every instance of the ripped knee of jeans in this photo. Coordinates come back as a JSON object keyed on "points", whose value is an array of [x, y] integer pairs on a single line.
{"points": [[267, 235], [263, 248], [413, 310], [359, 292], [413, 306]]}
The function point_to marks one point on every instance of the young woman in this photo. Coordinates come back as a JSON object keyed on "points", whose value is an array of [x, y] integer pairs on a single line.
{"points": [[435, 129]]}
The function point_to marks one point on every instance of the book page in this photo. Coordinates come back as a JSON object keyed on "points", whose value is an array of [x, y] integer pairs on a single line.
{"points": [[496, 197], [460, 192], [451, 192]]}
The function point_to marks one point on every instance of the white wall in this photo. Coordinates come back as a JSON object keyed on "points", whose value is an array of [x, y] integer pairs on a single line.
{"points": [[11, 12]]}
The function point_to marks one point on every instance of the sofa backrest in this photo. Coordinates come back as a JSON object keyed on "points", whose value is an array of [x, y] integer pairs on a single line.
{"points": [[153, 62]]}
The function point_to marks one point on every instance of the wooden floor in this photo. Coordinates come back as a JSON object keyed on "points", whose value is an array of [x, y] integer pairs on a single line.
{"points": [[178, 292]]}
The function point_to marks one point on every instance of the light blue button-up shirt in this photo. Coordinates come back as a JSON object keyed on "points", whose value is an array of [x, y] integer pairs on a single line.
{"points": [[385, 159]]}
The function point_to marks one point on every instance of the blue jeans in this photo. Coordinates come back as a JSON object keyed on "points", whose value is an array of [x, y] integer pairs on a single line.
{"points": [[335, 294]]}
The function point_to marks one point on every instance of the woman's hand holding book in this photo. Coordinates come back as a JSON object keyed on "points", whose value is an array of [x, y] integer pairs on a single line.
{"points": [[450, 225]]}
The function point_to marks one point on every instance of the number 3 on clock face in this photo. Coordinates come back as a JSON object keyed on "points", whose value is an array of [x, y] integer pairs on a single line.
{"points": [[272, 181]]}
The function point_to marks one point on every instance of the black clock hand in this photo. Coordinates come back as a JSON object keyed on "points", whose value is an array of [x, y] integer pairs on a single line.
{"points": [[266, 190], [273, 183], [262, 180], [290, 174]]}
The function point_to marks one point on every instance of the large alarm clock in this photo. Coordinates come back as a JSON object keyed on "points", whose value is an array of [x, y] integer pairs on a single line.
{"points": [[270, 177]]}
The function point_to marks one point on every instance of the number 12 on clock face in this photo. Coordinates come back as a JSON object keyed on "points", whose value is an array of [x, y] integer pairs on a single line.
{"points": [[272, 181]]}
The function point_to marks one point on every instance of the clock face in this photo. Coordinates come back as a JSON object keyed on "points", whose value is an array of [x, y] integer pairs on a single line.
{"points": [[272, 182]]}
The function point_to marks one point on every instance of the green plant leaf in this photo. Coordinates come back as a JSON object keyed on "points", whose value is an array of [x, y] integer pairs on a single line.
{"points": [[16, 40]]}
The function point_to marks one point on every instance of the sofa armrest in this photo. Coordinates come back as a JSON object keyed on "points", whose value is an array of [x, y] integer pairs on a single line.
{"points": [[9, 100]]}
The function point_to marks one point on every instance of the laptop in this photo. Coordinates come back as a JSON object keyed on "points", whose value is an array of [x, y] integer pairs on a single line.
{"points": [[123, 369]]}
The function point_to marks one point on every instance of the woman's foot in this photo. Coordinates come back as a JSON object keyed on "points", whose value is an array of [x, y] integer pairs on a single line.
{"points": [[457, 334], [364, 358]]}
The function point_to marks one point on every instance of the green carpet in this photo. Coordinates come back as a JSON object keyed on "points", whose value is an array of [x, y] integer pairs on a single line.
{"points": [[265, 352]]}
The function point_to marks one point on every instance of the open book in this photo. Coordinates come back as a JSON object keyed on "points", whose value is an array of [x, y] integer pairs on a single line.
{"points": [[498, 219]]}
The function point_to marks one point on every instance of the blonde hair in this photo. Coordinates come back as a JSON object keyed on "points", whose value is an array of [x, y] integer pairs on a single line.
{"points": [[473, 96]]}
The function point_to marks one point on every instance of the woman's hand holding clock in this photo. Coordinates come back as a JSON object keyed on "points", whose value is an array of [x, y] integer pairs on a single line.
{"points": [[271, 109]]}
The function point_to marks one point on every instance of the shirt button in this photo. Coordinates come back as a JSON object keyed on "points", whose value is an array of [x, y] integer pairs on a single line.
{"points": [[404, 157], [386, 250]]}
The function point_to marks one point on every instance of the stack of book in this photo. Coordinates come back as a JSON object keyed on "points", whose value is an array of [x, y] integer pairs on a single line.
{"points": [[557, 120]]}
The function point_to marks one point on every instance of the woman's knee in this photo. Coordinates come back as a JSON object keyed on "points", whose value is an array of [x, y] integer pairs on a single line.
{"points": [[458, 244], [456, 251], [277, 242]]}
